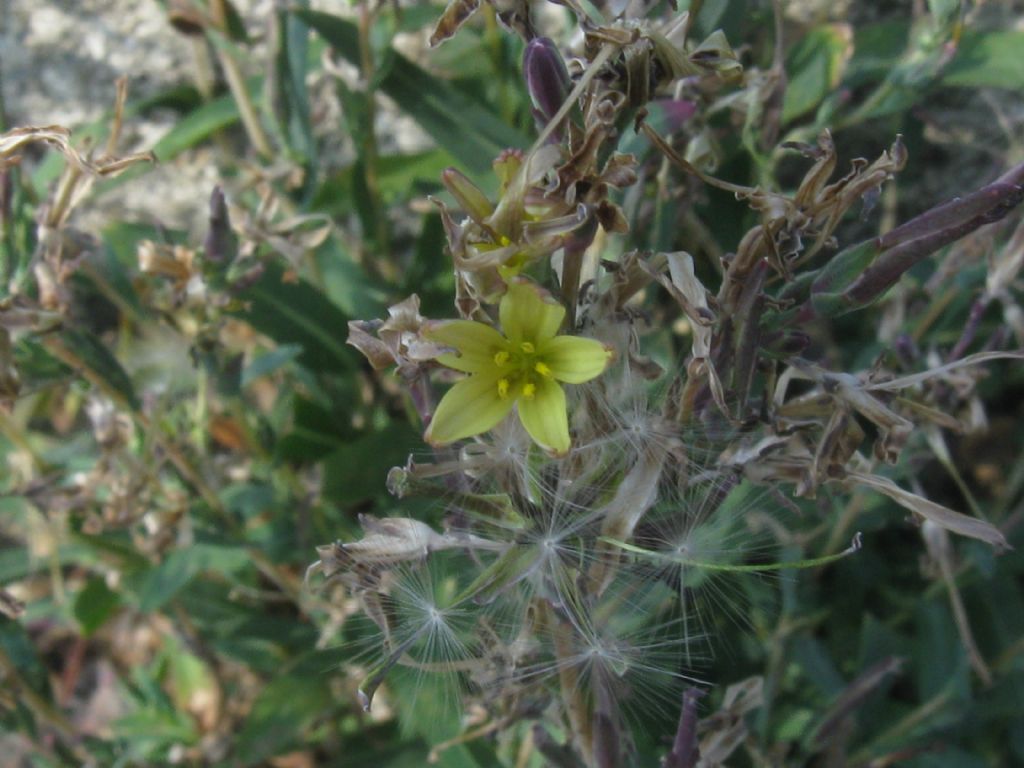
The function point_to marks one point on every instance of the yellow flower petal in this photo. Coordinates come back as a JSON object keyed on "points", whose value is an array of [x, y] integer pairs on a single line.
{"points": [[470, 407], [574, 360], [476, 343], [545, 417], [528, 313]]}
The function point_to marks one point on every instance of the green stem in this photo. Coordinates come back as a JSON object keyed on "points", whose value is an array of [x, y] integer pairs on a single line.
{"points": [[385, 267], [236, 83], [665, 557]]}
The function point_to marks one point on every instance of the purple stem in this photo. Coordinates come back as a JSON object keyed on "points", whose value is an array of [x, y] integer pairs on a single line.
{"points": [[970, 327], [685, 750], [1014, 176], [954, 212], [908, 244]]}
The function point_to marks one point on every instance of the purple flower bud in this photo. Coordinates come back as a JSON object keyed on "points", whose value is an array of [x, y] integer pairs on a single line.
{"points": [[547, 79], [220, 245]]}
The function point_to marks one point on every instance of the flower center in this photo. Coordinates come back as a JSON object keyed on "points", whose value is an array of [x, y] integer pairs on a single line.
{"points": [[523, 370]]}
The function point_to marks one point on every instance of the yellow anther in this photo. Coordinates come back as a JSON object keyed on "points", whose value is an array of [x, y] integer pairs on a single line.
{"points": [[527, 347], [542, 369], [503, 389], [529, 390], [504, 240], [500, 358]]}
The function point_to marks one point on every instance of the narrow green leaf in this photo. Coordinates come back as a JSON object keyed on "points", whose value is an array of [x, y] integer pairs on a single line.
{"points": [[472, 133], [99, 361], [161, 584], [510, 568], [814, 68], [290, 96], [196, 127], [269, 362], [295, 312]]}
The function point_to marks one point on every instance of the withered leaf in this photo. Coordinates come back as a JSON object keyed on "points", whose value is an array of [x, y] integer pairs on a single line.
{"points": [[938, 514], [455, 15]]}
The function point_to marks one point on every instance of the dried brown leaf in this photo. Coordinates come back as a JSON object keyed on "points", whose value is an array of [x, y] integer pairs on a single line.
{"points": [[938, 514], [455, 15], [58, 137]]}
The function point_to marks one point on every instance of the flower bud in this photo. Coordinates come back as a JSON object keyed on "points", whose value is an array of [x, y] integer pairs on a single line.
{"points": [[221, 244], [506, 165], [467, 194], [547, 79]]}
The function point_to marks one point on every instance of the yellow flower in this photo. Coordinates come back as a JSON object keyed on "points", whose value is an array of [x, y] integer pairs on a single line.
{"points": [[522, 368]]}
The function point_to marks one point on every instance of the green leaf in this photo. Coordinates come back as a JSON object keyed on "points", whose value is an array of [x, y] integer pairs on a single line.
{"points": [[108, 548], [938, 660], [269, 362], [235, 25], [99, 362], [949, 758], [295, 312], [347, 285], [196, 127], [876, 49], [795, 725], [720, 14], [156, 729], [94, 604], [19, 648], [817, 665], [120, 259], [429, 274], [988, 60], [290, 96], [285, 709], [358, 469], [162, 583], [400, 177], [815, 67], [471, 132], [316, 431], [37, 365], [509, 568]]}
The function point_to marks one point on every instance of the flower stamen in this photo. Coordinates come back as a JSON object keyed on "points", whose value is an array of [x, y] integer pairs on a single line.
{"points": [[503, 389]]}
